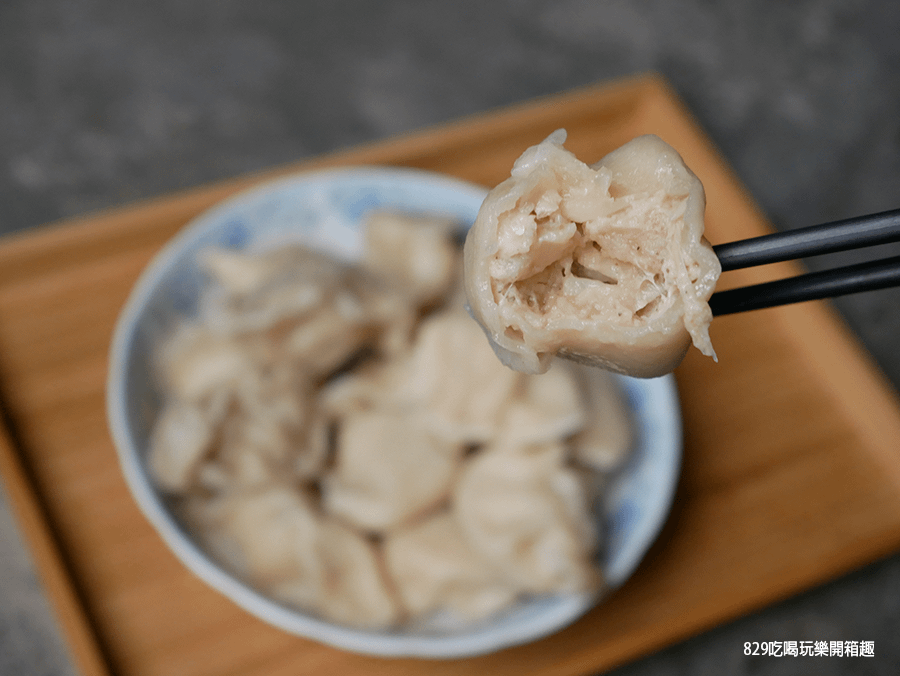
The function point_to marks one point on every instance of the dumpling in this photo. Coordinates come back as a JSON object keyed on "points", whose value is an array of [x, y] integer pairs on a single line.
{"points": [[253, 291], [266, 536], [364, 388], [274, 539], [353, 589], [272, 432], [246, 274], [449, 380], [459, 388], [326, 340], [389, 469], [180, 440], [435, 569], [607, 437], [528, 514], [414, 253], [197, 363], [545, 408], [604, 264]]}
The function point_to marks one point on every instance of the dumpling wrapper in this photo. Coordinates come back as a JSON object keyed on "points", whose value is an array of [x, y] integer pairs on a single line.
{"points": [[180, 440], [245, 274], [353, 588], [266, 536], [389, 469], [272, 432], [449, 380], [197, 363], [608, 436], [436, 571], [414, 253], [528, 514], [459, 388], [603, 264], [548, 407], [253, 291], [276, 540]]}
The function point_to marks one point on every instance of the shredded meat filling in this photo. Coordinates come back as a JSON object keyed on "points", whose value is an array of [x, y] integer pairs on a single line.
{"points": [[586, 267]]}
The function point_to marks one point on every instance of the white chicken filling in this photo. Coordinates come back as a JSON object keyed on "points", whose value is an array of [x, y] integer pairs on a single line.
{"points": [[590, 250]]}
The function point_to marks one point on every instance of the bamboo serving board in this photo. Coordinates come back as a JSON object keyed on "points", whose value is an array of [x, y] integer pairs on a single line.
{"points": [[792, 440]]}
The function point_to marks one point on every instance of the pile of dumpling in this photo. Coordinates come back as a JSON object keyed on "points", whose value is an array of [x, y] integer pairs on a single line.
{"points": [[343, 438]]}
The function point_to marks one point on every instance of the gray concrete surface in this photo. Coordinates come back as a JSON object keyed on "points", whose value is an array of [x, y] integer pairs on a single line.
{"points": [[103, 102]]}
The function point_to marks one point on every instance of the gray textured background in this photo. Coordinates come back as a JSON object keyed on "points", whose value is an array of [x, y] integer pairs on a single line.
{"points": [[103, 102]]}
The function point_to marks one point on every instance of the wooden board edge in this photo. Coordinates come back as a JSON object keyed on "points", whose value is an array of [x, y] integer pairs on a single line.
{"points": [[52, 571]]}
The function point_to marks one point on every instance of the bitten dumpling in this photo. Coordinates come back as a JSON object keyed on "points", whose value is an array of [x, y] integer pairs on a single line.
{"points": [[603, 264]]}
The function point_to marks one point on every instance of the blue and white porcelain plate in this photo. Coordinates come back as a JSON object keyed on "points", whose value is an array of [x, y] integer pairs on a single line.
{"points": [[325, 210]]}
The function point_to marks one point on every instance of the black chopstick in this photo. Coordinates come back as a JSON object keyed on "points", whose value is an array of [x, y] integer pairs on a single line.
{"points": [[880, 274], [852, 233]]}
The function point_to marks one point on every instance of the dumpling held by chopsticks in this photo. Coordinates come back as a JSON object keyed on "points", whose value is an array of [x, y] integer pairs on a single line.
{"points": [[604, 264]]}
